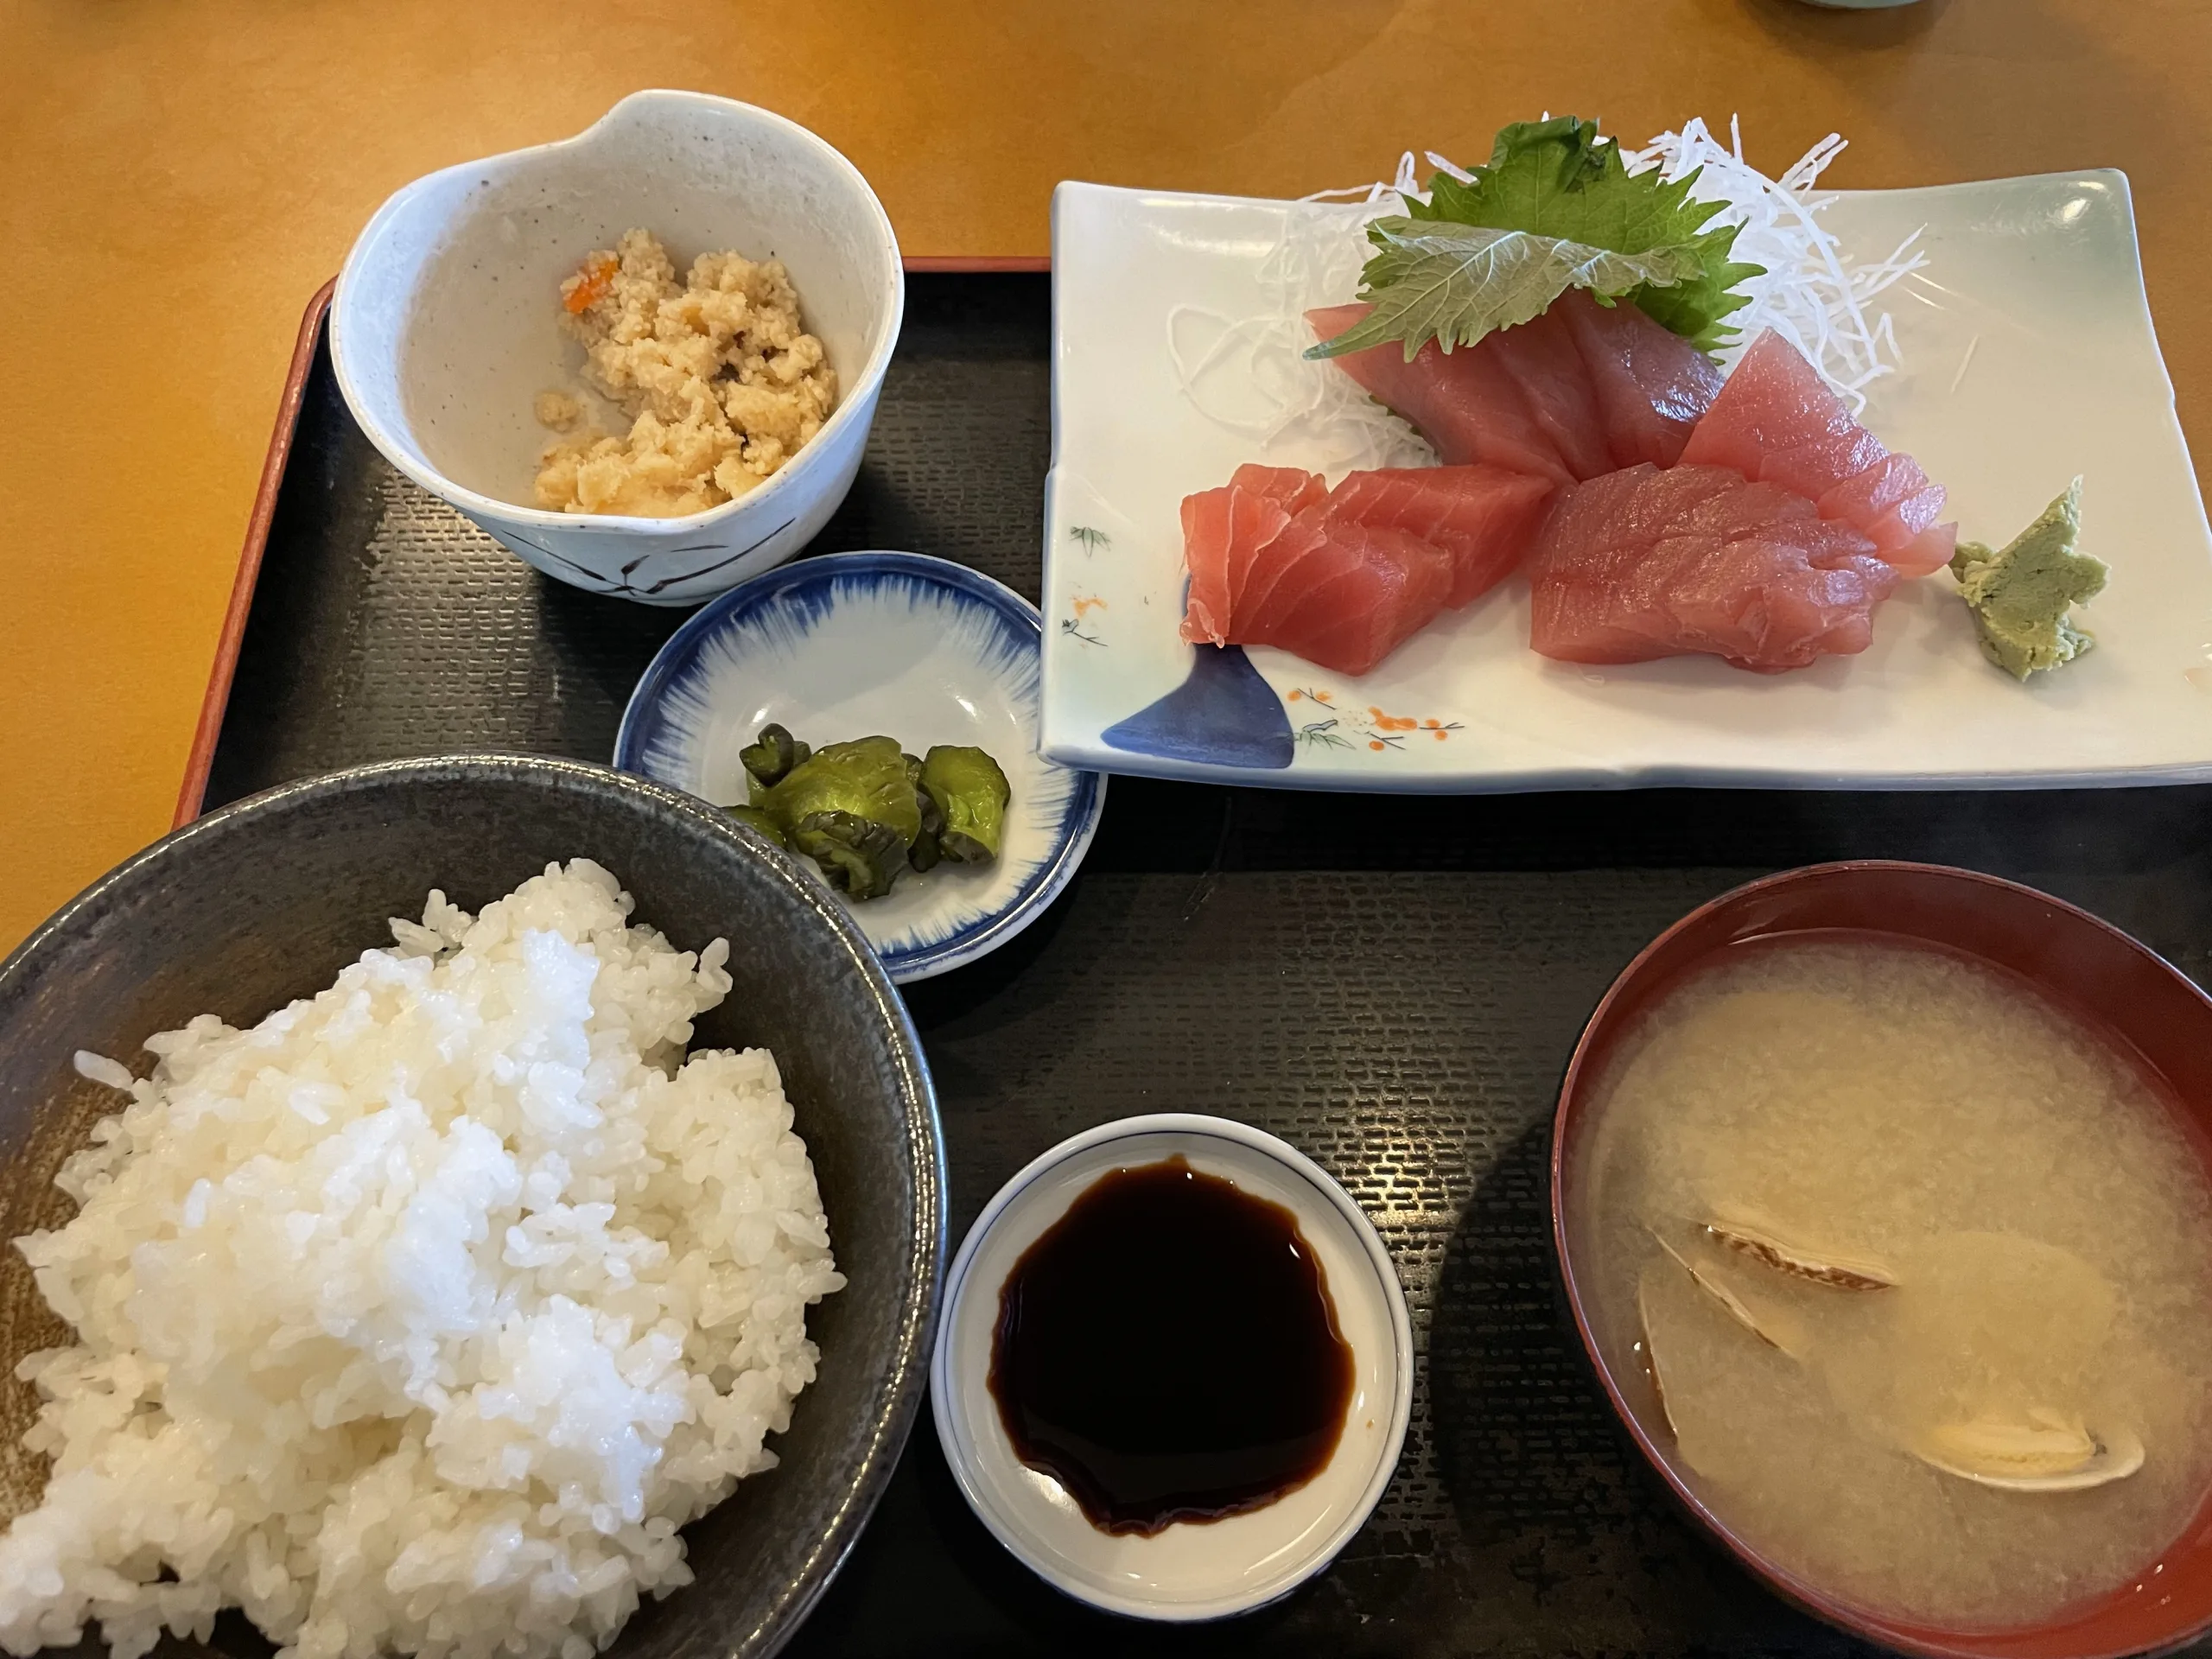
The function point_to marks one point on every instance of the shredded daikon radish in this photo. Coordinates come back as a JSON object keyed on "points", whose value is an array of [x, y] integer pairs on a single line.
{"points": [[1816, 293], [1250, 373]]}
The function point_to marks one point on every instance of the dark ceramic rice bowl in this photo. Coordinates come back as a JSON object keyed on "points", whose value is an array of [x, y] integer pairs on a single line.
{"points": [[264, 900]]}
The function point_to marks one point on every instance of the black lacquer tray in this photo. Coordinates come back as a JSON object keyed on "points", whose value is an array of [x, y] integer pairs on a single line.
{"points": [[1392, 984]]}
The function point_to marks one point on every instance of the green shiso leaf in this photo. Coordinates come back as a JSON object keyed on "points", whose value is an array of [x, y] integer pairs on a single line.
{"points": [[1555, 179], [1456, 282]]}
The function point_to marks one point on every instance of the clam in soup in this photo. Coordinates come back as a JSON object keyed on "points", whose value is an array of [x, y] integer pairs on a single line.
{"points": [[1909, 1273]]}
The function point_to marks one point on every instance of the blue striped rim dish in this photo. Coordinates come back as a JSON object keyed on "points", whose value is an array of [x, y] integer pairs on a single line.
{"points": [[849, 644]]}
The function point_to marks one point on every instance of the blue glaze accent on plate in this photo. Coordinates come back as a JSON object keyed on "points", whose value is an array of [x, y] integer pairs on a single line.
{"points": [[1224, 714], [851, 644]]}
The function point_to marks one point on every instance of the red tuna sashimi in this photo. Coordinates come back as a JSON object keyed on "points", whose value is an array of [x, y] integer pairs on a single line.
{"points": [[1929, 551], [1893, 502], [1463, 402], [1483, 516], [1652, 386], [1292, 488], [1776, 422], [1222, 528], [1629, 389], [1649, 562], [1544, 361], [1344, 595]]}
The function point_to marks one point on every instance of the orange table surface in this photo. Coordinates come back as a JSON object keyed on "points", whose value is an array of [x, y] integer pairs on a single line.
{"points": [[181, 175]]}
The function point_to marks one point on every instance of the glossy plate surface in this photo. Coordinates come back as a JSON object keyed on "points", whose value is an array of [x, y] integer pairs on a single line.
{"points": [[2028, 357], [854, 644]]}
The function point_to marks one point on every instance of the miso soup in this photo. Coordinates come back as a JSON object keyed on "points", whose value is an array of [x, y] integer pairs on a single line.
{"points": [[1908, 1272]]}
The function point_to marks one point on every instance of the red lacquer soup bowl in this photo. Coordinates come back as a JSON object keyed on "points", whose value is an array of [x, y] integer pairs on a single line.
{"points": [[2083, 964]]}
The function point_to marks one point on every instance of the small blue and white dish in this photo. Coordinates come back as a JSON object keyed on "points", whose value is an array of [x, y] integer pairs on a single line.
{"points": [[850, 645]]}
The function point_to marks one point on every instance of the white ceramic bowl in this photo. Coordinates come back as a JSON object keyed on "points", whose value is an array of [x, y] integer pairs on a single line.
{"points": [[1187, 1572], [445, 327]]}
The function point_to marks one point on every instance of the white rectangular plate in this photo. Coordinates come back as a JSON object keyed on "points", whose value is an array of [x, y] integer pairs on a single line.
{"points": [[2028, 357]]}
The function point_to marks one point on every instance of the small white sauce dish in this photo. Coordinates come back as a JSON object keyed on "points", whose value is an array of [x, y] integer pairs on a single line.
{"points": [[445, 326], [850, 645], [1188, 1572]]}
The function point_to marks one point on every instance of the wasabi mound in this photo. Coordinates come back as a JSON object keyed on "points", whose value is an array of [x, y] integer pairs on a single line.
{"points": [[2021, 593]]}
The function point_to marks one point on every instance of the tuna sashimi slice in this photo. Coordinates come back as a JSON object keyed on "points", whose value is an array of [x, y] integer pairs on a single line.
{"points": [[1353, 594], [1279, 557], [1892, 501], [1292, 488], [1541, 356], [1463, 402], [1887, 485], [1777, 422], [1648, 562], [1221, 528], [1776, 417], [1927, 552], [1342, 577], [1577, 391], [1651, 385], [1483, 516]]}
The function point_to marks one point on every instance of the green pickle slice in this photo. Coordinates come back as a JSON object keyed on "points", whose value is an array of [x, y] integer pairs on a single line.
{"points": [[864, 811], [850, 808], [971, 791]]}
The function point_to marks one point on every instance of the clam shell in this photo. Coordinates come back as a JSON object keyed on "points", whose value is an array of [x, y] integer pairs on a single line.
{"points": [[1769, 1332], [1821, 1266], [1652, 1369], [2047, 1454]]}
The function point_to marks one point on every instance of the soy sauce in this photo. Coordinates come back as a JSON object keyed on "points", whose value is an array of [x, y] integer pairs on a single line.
{"points": [[1168, 1350]]}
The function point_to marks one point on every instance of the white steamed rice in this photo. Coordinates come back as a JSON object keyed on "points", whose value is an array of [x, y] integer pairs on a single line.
{"points": [[419, 1317]]}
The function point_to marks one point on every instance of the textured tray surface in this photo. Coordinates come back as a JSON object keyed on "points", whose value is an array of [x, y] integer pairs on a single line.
{"points": [[1392, 985]]}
